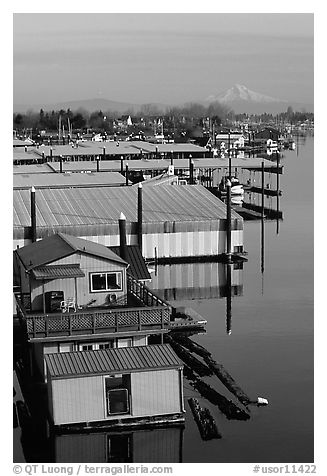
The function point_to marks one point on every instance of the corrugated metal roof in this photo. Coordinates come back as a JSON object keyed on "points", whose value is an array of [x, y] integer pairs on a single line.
{"points": [[58, 246], [137, 265], [126, 359], [95, 206], [32, 169], [61, 180], [58, 271], [162, 164]]}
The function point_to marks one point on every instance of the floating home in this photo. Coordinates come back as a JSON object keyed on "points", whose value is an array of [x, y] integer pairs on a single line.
{"points": [[176, 221], [76, 295], [131, 386]]}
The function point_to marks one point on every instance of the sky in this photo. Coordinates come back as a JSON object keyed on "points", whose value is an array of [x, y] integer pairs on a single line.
{"points": [[168, 58]]}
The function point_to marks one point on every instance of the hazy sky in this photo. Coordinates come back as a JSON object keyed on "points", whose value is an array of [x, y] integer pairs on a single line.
{"points": [[158, 57]]}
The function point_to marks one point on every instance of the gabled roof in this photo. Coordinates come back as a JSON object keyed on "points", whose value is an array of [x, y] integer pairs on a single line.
{"points": [[60, 245]]}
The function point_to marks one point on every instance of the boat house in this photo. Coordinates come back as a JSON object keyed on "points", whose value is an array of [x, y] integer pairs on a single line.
{"points": [[177, 221], [77, 295], [115, 387]]}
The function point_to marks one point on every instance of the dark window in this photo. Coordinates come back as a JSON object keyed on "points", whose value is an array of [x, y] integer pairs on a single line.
{"points": [[106, 281], [117, 394]]}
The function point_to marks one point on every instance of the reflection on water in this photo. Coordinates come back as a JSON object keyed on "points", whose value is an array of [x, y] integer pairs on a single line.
{"points": [[194, 281], [163, 445]]}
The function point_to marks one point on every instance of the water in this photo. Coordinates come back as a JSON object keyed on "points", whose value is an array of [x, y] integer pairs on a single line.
{"points": [[269, 351]]}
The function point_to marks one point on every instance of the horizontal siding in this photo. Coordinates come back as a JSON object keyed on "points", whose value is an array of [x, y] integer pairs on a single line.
{"points": [[155, 393]]}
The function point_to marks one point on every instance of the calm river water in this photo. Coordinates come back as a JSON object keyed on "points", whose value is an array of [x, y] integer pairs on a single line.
{"points": [[269, 351]]}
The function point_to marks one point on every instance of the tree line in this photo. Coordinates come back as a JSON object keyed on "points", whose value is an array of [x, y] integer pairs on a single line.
{"points": [[181, 120]]}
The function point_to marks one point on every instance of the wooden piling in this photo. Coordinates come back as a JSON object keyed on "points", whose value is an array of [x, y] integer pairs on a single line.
{"points": [[140, 216], [126, 174], [122, 236], [33, 215], [229, 221]]}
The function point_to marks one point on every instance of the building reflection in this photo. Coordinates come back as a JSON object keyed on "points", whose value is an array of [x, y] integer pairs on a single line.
{"points": [[194, 281], [163, 445]]}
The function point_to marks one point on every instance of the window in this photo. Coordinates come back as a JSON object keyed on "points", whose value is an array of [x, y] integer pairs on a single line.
{"points": [[125, 342], [117, 389], [105, 345], [96, 345], [86, 347], [106, 281]]}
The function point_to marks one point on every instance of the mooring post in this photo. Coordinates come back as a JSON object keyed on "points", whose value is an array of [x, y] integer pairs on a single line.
{"points": [[98, 164], [122, 236], [122, 165], [262, 188], [126, 174], [228, 298], [229, 222], [33, 215], [277, 174], [51, 152], [60, 164], [139, 215], [192, 172], [104, 153], [171, 158], [190, 169]]}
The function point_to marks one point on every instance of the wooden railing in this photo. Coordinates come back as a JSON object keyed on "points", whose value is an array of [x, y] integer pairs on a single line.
{"points": [[95, 321], [144, 294]]}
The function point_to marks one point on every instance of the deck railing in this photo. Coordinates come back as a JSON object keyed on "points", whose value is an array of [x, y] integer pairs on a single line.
{"points": [[144, 294], [98, 321]]}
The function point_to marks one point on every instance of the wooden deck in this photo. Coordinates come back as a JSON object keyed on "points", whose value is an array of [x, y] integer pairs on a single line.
{"points": [[153, 313]]}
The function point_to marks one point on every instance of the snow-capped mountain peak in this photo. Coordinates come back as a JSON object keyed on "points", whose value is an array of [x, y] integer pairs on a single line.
{"points": [[240, 92]]}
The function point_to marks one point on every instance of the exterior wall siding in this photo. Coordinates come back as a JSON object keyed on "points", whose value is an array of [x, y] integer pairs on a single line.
{"points": [[155, 392], [87, 264], [76, 400], [206, 239]]}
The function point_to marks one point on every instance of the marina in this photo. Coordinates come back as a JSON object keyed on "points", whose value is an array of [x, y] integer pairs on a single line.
{"points": [[162, 242]]}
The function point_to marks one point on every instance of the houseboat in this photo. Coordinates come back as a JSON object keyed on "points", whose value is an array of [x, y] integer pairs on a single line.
{"points": [[76, 295], [115, 387]]}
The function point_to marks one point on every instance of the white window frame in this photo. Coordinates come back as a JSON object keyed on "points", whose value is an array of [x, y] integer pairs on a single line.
{"points": [[107, 289], [96, 345]]}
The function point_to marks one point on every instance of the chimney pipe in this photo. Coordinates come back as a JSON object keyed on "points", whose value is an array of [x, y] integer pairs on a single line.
{"points": [[126, 175], [140, 215], [33, 215], [122, 237]]}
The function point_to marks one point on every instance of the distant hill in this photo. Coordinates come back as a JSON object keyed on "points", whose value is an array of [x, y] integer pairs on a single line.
{"points": [[89, 105], [242, 100]]}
